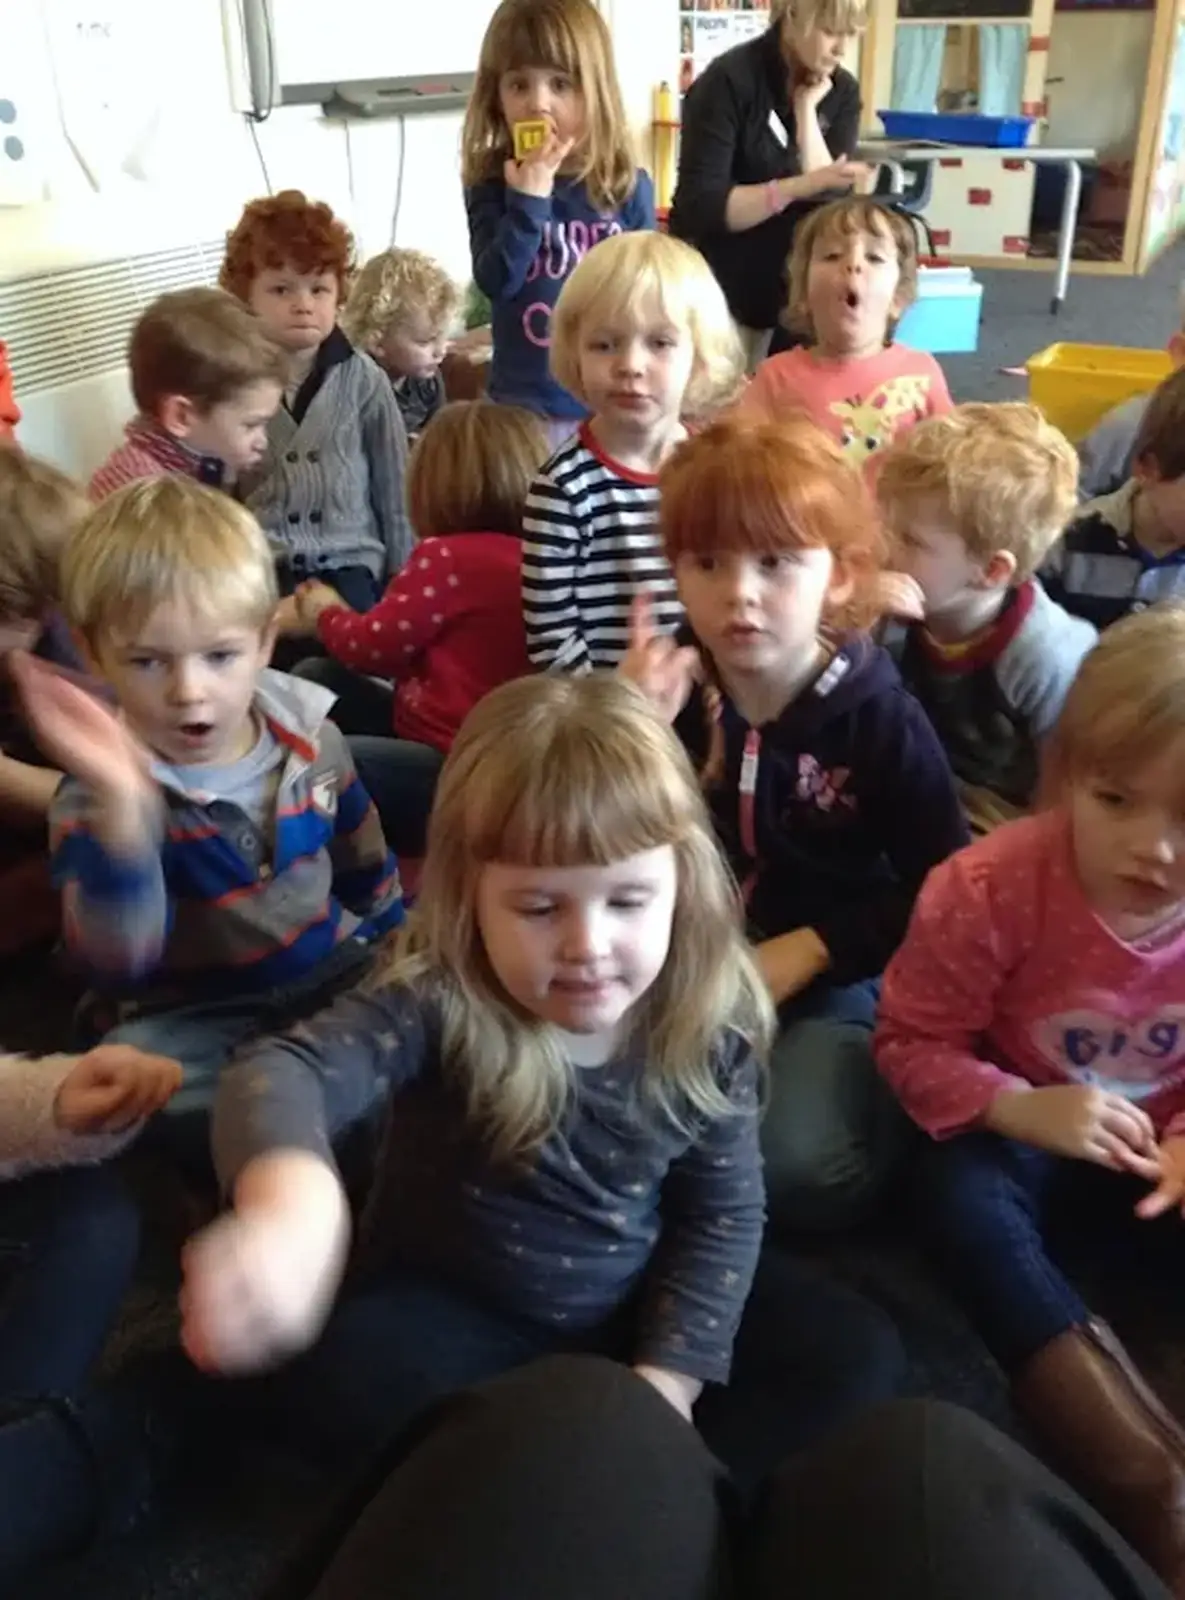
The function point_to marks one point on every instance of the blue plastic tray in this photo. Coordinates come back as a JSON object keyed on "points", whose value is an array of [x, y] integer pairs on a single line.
{"points": [[1001, 133]]}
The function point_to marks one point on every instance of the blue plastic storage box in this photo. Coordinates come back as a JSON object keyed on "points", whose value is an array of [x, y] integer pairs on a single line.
{"points": [[927, 127], [944, 319]]}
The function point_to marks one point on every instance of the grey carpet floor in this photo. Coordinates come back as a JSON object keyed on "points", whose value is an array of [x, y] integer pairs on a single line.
{"points": [[221, 1545]]}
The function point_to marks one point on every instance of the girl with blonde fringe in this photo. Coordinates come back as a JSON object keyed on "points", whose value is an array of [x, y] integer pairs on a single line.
{"points": [[1032, 1025], [548, 172], [569, 1044]]}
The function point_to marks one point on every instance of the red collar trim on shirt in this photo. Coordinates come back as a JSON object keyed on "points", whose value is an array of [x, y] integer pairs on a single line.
{"points": [[588, 440], [170, 453], [991, 644]]}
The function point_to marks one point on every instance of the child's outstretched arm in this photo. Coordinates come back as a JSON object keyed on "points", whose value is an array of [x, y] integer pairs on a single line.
{"points": [[386, 641], [553, 534], [105, 827], [259, 1282], [61, 1110], [713, 1206], [384, 440]]}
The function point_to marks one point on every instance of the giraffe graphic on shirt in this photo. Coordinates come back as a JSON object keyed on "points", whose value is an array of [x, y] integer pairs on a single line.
{"points": [[866, 425]]}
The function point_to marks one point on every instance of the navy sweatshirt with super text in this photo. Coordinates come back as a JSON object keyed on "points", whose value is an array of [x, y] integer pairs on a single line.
{"points": [[852, 803]]}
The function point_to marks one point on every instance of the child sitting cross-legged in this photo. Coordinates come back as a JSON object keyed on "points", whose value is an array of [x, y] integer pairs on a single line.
{"points": [[449, 627], [853, 272], [401, 311], [222, 868], [1127, 549], [830, 792], [1031, 1024], [974, 500], [207, 379]]}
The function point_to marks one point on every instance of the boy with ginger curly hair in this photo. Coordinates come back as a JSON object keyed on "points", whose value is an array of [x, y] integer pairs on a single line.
{"points": [[401, 311], [329, 492]]}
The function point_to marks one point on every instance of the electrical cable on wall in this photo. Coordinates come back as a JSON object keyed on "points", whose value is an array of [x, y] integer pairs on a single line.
{"points": [[262, 103], [253, 125], [399, 180]]}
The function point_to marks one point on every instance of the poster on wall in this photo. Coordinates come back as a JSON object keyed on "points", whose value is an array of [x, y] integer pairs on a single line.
{"points": [[1166, 196], [707, 28]]}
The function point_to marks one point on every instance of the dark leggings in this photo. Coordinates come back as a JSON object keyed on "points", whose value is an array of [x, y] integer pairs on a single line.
{"points": [[573, 1478]]}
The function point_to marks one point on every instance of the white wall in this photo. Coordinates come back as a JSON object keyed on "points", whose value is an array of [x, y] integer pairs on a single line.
{"points": [[1102, 58]]}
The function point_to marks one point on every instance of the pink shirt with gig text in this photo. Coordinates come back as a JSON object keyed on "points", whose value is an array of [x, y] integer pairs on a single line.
{"points": [[1008, 979]]}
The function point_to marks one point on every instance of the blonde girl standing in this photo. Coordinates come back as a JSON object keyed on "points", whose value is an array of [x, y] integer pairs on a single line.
{"points": [[533, 217], [643, 336], [569, 1049]]}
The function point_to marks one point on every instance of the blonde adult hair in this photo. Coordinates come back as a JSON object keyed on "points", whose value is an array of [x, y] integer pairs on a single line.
{"points": [[840, 220], [823, 16], [166, 541], [1126, 707], [1000, 475], [203, 344], [40, 509], [393, 287], [471, 468], [630, 274], [555, 771], [571, 37]]}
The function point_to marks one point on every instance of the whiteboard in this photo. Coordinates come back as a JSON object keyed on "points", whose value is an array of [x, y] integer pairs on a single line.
{"points": [[363, 40]]}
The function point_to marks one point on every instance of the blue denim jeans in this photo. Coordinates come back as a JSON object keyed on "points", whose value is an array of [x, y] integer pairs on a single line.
{"points": [[833, 1133], [203, 1037]]}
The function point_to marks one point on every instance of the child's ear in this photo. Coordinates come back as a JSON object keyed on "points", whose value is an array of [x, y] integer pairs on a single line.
{"points": [[1146, 472], [87, 655], [1176, 348], [999, 570], [176, 414], [842, 586], [267, 640]]}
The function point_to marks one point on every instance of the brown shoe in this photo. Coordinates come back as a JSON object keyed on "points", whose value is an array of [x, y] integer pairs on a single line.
{"points": [[1113, 1439]]}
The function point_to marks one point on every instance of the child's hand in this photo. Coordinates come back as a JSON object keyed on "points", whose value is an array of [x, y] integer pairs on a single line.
{"points": [[680, 1390], [1170, 1191], [535, 173], [312, 598], [83, 736], [899, 595], [663, 670], [287, 620], [1087, 1124], [259, 1283], [112, 1087]]}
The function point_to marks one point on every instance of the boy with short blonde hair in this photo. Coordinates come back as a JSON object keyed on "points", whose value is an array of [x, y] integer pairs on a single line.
{"points": [[206, 379], [974, 500], [401, 311], [223, 870]]}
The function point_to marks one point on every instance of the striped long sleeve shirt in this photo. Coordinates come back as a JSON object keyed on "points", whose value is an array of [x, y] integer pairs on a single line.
{"points": [[591, 544]]}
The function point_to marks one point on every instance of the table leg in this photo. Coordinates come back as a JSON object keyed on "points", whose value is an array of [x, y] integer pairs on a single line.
{"points": [[1066, 232]]}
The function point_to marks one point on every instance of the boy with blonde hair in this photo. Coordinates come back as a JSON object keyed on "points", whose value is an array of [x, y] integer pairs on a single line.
{"points": [[1126, 550], [223, 871], [974, 500], [401, 311], [206, 379], [1106, 457]]}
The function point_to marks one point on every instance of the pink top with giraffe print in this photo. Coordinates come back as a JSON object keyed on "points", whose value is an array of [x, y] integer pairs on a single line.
{"points": [[864, 402]]}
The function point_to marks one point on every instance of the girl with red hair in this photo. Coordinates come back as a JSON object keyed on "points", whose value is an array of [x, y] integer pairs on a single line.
{"points": [[829, 790]]}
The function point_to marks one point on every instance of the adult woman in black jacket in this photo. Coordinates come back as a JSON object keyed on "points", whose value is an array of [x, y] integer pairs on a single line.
{"points": [[768, 130]]}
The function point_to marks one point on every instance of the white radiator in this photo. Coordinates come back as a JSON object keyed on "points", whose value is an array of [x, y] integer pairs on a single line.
{"points": [[67, 334]]}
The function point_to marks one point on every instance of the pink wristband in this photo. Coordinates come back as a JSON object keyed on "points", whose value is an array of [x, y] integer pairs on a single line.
{"points": [[773, 198]]}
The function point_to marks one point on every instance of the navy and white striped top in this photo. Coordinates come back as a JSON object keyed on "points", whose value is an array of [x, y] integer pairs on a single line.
{"points": [[591, 543], [1099, 569]]}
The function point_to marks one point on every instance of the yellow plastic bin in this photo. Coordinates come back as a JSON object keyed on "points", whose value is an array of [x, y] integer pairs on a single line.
{"points": [[1076, 384]]}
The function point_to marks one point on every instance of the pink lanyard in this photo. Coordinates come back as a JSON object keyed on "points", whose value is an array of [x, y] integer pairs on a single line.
{"points": [[746, 789]]}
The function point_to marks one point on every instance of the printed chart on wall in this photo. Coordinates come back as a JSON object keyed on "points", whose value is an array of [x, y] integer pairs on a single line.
{"points": [[707, 28], [1166, 199]]}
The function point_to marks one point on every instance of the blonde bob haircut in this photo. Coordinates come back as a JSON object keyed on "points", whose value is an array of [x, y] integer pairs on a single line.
{"points": [[842, 219], [1000, 476], [1125, 708], [471, 468], [555, 771], [40, 509], [634, 274], [569, 36], [822, 16], [166, 541], [393, 287]]}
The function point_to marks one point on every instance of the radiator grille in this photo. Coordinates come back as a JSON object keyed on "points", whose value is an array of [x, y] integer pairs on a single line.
{"points": [[64, 326]]}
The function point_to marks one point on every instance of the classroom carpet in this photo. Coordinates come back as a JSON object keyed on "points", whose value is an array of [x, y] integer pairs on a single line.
{"points": [[222, 1543]]}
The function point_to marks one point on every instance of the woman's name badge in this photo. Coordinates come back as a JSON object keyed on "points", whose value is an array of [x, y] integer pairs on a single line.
{"points": [[778, 128]]}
